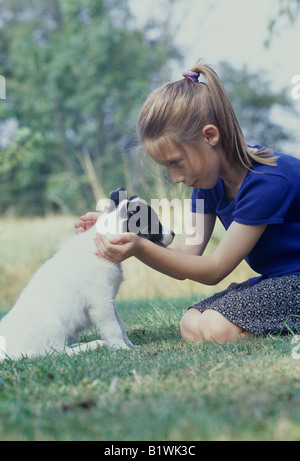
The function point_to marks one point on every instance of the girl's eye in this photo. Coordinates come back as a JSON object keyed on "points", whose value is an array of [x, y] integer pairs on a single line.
{"points": [[174, 163]]}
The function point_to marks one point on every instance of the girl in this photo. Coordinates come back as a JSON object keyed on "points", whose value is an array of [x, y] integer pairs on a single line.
{"points": [[190, 128]]}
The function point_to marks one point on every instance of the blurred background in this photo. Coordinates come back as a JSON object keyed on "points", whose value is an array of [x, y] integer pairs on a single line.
{"points": [[77, 73]]}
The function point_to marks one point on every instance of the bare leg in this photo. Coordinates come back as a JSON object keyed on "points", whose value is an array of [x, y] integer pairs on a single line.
{"points": [[209, 326]]}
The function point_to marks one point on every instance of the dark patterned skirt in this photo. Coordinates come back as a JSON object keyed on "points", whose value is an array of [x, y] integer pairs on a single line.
{"points": [[270, 306]]}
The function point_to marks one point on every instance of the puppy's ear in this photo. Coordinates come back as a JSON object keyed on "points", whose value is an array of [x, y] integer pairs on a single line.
{"points": [[134, 197], [115, 195], [132, 205]]}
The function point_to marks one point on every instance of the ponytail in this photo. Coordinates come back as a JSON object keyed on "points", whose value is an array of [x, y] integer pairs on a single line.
{"points": [[178, 112]]}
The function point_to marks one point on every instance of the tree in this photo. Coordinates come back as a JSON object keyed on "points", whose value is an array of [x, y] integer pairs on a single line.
{"points": [[286, 10], [253, 102], [77, 73]]}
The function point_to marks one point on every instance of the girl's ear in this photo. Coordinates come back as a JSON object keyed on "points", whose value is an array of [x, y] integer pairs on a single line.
{"points": [[211, 134]]}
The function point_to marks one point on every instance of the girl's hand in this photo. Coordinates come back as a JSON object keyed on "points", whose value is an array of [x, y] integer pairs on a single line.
{"points": [[86, 221], [119, 247]]}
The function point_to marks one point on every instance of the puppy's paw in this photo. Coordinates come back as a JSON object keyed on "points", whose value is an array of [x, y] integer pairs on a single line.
{"points": [[82, 347]]}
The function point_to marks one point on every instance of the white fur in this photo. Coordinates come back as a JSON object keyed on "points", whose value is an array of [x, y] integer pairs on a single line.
{"points": [[70, 292], [73, 291]]}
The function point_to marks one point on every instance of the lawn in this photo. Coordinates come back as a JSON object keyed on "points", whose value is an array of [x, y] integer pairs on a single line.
{"points": [[162, 390]]}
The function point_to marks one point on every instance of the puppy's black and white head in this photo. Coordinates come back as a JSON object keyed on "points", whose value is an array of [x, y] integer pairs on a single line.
{"points": [[133, 215]]}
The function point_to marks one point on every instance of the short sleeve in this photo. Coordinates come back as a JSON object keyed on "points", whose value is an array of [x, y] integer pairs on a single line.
{"points": [[263, 199]]}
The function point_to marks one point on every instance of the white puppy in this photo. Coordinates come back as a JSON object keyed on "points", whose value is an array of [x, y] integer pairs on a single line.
{"points": [[76, 290]]}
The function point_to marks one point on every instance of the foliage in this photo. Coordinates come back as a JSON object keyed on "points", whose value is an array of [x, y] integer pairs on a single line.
{"points": [[253, 102], [287, 12], [76, 75]]}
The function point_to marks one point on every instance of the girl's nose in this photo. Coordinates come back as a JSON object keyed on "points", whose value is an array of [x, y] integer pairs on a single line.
{"points": [[177, 178]]}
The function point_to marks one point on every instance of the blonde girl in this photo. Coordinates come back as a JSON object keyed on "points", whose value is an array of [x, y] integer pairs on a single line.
{"points": [[189, 127]]}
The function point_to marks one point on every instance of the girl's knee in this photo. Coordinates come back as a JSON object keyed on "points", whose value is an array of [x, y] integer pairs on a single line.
{"points": [[209, 326], [216, 328], [189, 325]]}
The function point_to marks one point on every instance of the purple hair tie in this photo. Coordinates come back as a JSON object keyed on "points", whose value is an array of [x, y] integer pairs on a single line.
{"points": [[192, 75]]}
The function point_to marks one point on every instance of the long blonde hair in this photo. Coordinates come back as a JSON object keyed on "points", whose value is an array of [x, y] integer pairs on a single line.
{"points": [[178, 111]]}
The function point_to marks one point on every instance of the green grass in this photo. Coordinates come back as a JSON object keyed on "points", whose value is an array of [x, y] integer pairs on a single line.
{"points": [[163, 390]]}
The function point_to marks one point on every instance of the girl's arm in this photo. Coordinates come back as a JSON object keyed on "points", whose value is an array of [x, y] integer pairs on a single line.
{"points": [[194, 238], [236, 244], [210, 270]]}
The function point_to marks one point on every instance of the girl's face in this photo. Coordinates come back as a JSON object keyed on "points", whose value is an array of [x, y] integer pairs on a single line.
{"points": [[196, 165]]}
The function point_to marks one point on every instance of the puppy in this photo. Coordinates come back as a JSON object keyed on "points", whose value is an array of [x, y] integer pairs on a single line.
{"points": [[76, 290]]}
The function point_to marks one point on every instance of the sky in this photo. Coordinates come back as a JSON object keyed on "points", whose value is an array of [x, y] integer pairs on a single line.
{"points": [[230, 30], [233, 31]]}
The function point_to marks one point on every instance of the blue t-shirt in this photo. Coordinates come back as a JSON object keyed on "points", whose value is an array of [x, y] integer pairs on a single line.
{"points": [[268, 195]]}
